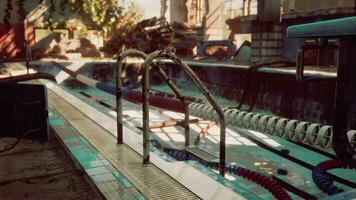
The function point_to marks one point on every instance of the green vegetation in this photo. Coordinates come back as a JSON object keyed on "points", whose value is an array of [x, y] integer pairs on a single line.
{"points": [[121, 31], [108, 17], [102, 14]]}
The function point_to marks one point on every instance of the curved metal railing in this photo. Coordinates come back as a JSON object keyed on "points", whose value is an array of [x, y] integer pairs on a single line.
{"points": [[163, 75], [145, 91]]}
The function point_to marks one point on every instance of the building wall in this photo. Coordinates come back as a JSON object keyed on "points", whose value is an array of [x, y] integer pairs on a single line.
{"points": [[294, 8], [12, 39], [269, 10], [307, 11], [178, 11], [266, 42], [214, 21]]}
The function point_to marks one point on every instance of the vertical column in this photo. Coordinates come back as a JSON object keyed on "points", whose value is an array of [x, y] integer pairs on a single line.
{"points": [[146, 117], [179, 11], [266, 41], [269, 10], [214, 21], [164, 7], [267, 33], [345, 101]]}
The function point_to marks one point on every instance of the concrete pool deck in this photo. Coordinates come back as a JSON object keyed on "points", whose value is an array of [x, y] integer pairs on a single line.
{"points": [[33, 170]]}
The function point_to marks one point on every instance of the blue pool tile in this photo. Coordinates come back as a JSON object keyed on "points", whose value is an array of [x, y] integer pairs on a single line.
{"points": [[80, 149], [95, 165], [97, 171], [94, 151], [126, 183], [86, 158], [92, 164], [84, 141], [71, 140], [122, 179], [104, 177], [56, 122]]}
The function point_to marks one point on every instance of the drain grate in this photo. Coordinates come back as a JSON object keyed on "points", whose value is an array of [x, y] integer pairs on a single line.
{"points": [[150, 181]]}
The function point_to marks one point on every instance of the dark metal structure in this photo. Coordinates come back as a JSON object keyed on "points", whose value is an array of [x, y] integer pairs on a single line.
{"points": [[343, 29], [18, 103], [301, 56]]}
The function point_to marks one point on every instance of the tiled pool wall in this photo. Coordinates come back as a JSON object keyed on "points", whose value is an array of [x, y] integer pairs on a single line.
{"points": [[277, 93]]}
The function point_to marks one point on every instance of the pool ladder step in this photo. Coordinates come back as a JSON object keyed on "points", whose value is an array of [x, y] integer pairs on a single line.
{"points": [[202, 154]]}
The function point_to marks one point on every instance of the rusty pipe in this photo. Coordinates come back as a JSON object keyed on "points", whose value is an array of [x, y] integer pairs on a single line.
{"points": [[119, 65]]}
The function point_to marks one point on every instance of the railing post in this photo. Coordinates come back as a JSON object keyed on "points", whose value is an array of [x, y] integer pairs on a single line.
{"points": [[119, 65], [344, 100], [146, 111], [186, 125], [120, 138]]}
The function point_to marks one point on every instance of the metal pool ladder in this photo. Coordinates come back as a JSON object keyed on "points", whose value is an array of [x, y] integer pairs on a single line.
{"points": [[188, 71], [145, 95], [163, 75]]}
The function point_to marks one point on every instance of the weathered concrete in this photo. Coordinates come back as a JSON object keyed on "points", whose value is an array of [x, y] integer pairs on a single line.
{"points": [[295, 8], [214, 21], [269, 10], [36, 171], [179, 11]]}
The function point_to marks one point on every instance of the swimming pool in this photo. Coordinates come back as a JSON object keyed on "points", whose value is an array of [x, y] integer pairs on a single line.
{"points": [[251, 155]]}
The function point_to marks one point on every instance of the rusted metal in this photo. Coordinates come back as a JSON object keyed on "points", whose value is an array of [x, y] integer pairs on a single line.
{"points": [[168, 55], [27, 77], [301, 54], [163, 75], [145, 97], [171, 123], [203, 132], [119, 65]]}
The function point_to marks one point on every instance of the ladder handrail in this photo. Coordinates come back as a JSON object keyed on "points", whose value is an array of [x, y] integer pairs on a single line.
{"points": [[145, 104], [162, 74]]}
